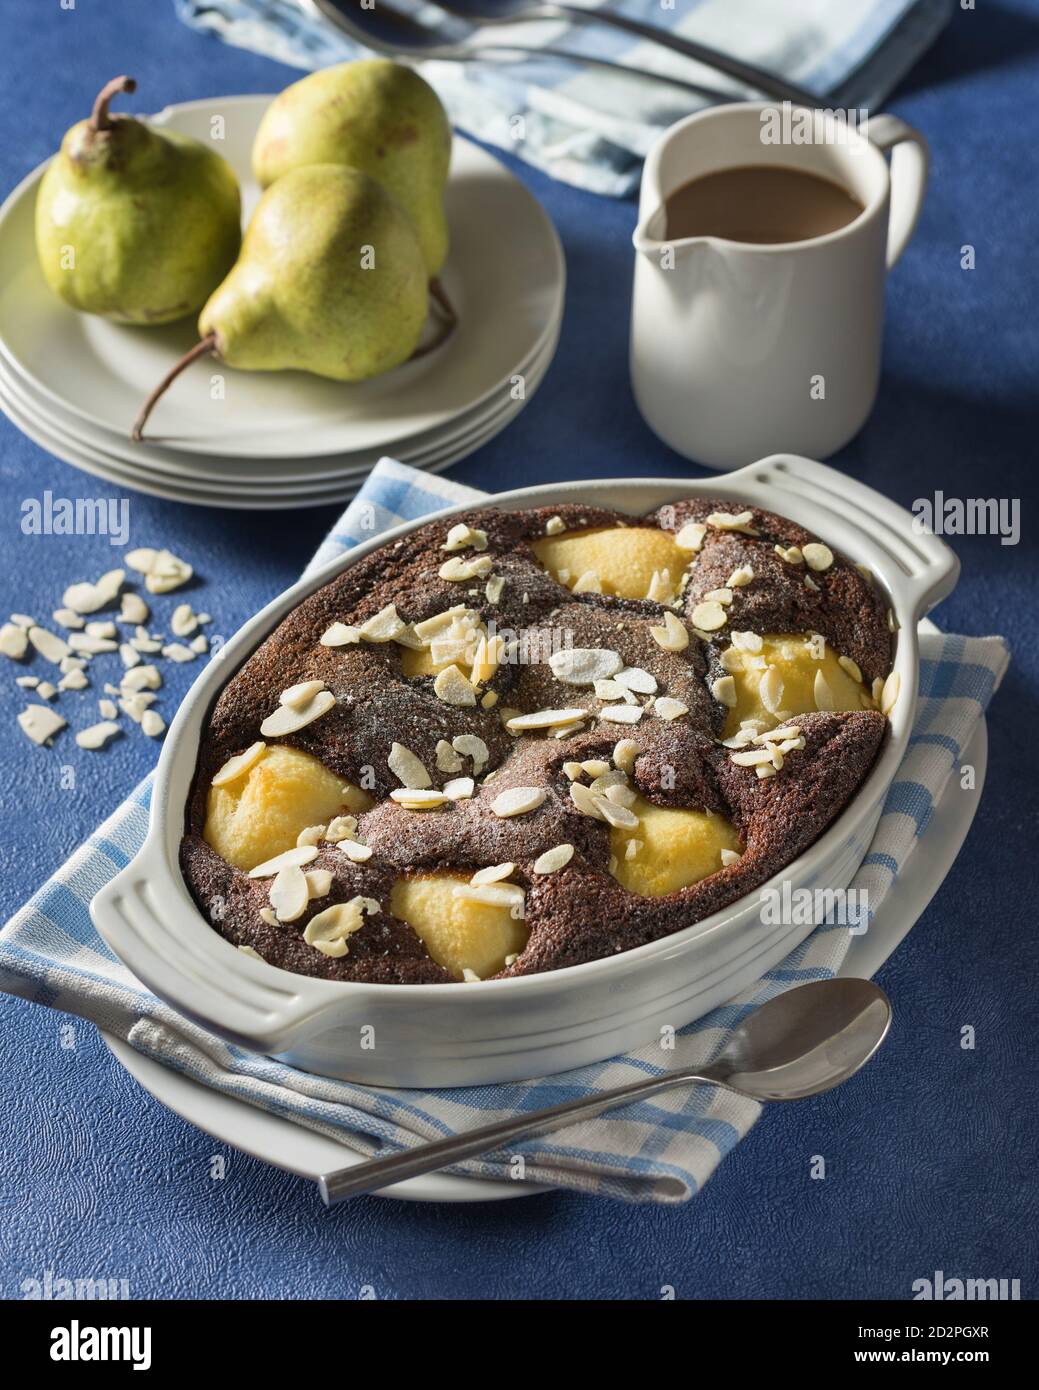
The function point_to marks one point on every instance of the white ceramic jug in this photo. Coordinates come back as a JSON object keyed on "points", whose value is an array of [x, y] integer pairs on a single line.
{"points": [[739, 350]]}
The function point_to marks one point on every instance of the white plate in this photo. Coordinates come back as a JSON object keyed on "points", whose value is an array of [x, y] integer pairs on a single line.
{"points": [[297, 1150], [505, 274], [245, 496], [150, 471], [280, 475]]}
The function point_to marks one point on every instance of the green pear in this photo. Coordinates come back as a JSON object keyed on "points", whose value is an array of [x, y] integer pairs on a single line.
{"points": [[330, 280], [375, 116], [135, 223]]}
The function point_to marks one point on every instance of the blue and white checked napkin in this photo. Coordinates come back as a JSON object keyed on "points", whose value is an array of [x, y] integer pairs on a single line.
{"points": [[663, 1150], [591, 127]]}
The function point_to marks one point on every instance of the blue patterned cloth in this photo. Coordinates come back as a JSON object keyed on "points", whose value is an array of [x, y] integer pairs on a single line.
{"points": [[591, 127], [662, 1150]]}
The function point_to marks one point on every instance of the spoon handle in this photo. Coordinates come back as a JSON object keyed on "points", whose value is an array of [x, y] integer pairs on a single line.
{"points": [[427, 1158]]}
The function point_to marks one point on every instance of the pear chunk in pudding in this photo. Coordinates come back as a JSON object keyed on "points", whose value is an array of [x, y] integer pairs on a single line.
{"points": [[261, 812], [673, 848], [779, 676], [623, 559], [459, 933]]}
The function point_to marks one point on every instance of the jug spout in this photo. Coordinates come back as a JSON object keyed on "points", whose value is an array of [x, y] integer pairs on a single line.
{"points": [[650, 240]]}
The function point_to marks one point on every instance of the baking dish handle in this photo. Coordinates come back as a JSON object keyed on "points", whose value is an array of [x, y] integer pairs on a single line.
{"points": [[922, 569]]}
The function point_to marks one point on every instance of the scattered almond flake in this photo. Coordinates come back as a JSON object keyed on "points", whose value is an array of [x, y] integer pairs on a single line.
{"points": [[595, 767], [428, 628], [72, 663], [163, 571], [667, 708], [199, 644], [788, 731], [729, 521], [852, 667], [340, 635], [554, 859], [183, 622], [821, 692], [177, 651], [746, 641], [340, 828], [890, 692], [297, 696], [354, 850], [459, 788], [509, 895], [731, 659], [23, 620], [673, 636], [770, 689], [289, 893], [517, 801], [49, 645], [753, 757], [554, 525], [572, 770], [765, 770], [447, 759], [40, 723], [297, 857], [152, 723], [587, 583], [133, 609], [494, 588], [102, 629], [791, 745], [544, 719], [143, 643], [621, 714], [584, 665], [328, 931], [88, 598], [585, 801], [462, 535], [877, 689], [93, 646], [614, 814], [624, 754], [319, 883], [130, 656], [722, 596], [776, 755], [311, 835], [239, 765], [791, 554], [98, 734], [635, 678], [457, 571], [740, 577], [609, 690], [383, 626], [567, 730], [612, 777], [286, 720], [691, 536], [135, 704], [817, 556], [418, 799], [454, 688], [27, 682], [709, 616], [494, 873], [67, 617], [661, 589], [729, 857], [724, 691], [407, 768], [142, 677], [14, 641]]}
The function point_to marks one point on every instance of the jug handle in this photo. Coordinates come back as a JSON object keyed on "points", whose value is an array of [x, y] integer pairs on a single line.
{"points": [[909, 160]]}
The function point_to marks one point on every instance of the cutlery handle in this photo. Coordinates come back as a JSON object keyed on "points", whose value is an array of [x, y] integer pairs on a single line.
{"points": [[758, 78], [427, 1158]]}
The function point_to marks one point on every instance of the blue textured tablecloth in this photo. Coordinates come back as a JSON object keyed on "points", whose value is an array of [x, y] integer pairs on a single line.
{"points": [[931, 1152]]}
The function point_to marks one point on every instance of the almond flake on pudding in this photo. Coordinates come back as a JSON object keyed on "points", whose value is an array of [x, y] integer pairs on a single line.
{"points": [[724, 691], [14, 641], [729, 857], [624, 754], [517, 801], [250, 951], [709, 616], [635, 678], [509, 895], [354, 850], [753, 757], [572, 770], [340, 828], [240, 764], [319, 883], [287, 720], [615, 815], [609, 690], [311, 835], [328, 931], [544, 719], [584, 665], [554, 525], [722, 596], [889, 693], [383, 626], [585, 801], [691, 536], [289, 893], [453, 687], [289, 858], [673, 636], [494, 587], [746, 641], [587, 583], [459, 788], [852, 668], [817, 556], [791, 554], [740, 577], [821, 692], [661, 589], [729, 521], [97, 735], [668, 708], [770, 689], [340, 635], [595, 767], [494, 873], [553, 859], [419, 798], [299, 695], [407, 768], [40, 723], [447, 759], [788, 731], [462, 535], [456, 570], [621, 714]]}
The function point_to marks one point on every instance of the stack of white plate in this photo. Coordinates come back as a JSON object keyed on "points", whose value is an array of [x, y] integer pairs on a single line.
{"points": [[225, 438]]}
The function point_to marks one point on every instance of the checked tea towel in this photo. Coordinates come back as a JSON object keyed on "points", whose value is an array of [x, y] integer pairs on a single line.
{"points": [[662, 1150]]}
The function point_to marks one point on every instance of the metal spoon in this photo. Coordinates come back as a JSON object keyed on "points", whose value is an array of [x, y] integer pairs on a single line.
{"points": [[805, 1041]]}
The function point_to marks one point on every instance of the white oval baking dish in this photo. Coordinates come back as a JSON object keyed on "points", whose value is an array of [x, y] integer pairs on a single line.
{"points": [[502, 1030]]}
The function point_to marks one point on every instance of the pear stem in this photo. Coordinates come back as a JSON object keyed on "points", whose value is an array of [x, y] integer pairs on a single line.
{"points": [[201, 348], [448, 320], [99, 117]]}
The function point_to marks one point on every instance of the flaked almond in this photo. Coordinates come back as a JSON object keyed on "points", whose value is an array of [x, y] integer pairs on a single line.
{"points": [[289, 894], [460, 536], [495, 586], [584, 665], [311, 835], [448, 760], [890, 692], [355, 851], [790, 554], [616, 815], [821, 692], [14, 641], [746, 641], [328, 931], [297, 696], [383, 626], [49, 645], [740, 577], [732, 521], [517, 801], [97, 735], [624, 754], [40, 723], [319, 883], [709, 616], [494, 873], [543, 719], [770, 689], [289, 858], [340, 635], [587, 583], [152, 724], [817, 556], [454, 688], [673, 636], [554, 859], [724, 691], [635, 678], [722, 596], [661, 587], [340, 828], [621, 714], [408, 768], [419, 798], [554, 525], [667, 708], [286, 720], [585, 801], [459, 788], [691, 536], [457, 571], [851, 667]]}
